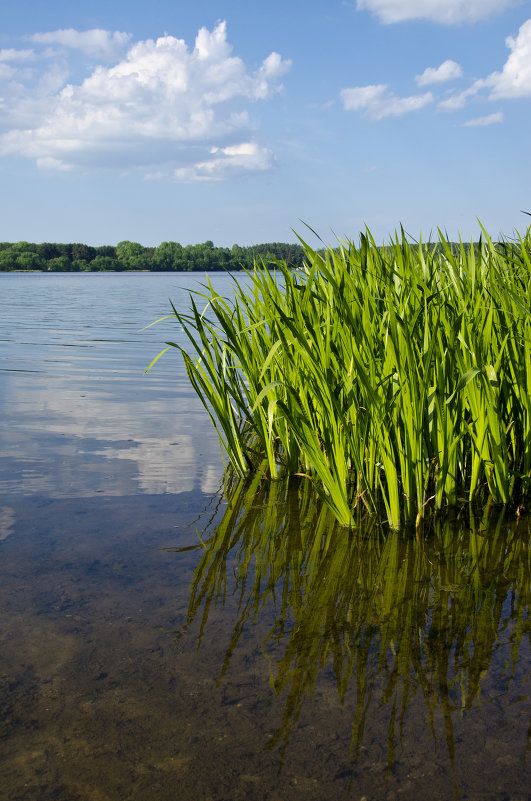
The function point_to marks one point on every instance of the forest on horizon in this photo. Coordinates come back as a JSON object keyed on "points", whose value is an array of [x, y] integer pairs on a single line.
{"points": [[127, 255], [172, 256]]}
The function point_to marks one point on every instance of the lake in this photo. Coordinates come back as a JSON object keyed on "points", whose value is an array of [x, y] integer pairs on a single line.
{"points": [[170, 632]]}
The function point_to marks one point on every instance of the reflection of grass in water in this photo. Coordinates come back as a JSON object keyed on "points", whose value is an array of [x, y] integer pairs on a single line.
{"points": [[396, 615]]}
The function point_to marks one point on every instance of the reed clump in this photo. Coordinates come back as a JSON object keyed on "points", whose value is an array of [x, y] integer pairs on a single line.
{"points": [[394, 377]]}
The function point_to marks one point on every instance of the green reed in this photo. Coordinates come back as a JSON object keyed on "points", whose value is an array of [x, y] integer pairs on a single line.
{"points": [[394, 377]]}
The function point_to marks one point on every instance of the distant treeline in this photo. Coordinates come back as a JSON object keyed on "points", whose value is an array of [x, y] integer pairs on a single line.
{"points": [[168, 256]]}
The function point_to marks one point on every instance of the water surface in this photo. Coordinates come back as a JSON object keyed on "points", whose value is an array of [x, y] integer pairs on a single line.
{"points": [[161, 639], [78, 414]]}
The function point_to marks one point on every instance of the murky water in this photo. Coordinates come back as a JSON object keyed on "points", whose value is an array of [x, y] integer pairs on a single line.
{"points": [[161, 640]]}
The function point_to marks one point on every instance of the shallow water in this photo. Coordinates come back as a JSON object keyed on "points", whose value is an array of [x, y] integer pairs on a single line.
{"points": [[78, 414], [161, 640]]}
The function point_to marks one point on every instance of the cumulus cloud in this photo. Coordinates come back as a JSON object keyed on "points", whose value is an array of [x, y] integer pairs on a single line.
{"points": [[160, 105], [480, 122], [513, 81], [515, 78], [96, 43], [226, 162], [377, 101], [448, 71], [449, 12]]}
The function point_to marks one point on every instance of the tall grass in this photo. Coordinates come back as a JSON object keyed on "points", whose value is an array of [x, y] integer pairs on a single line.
{"points": [[395, 377]]}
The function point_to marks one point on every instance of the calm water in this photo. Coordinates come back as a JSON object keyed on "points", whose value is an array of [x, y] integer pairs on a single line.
{"points": [[162, 640]]}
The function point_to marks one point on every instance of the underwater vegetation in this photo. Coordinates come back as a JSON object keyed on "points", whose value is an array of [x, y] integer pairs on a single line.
{"points": [[393, 378]]}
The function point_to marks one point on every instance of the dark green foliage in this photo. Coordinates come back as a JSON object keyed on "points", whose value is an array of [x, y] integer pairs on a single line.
{"points": [[167, 257], [61, 264]]}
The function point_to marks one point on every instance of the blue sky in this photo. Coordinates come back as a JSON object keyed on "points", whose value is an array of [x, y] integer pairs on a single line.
{"points": [[233, 121]]}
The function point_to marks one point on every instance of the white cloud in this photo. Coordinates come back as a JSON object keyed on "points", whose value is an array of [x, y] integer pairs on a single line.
{"points": [[6, 73], [11, 54], [228, 162], [161, 105], [479, 122], [448, 71], [515, 78], [449, 12], [96, 43], [49, 163], [459, 99], [378, 101], [513, 81]]}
